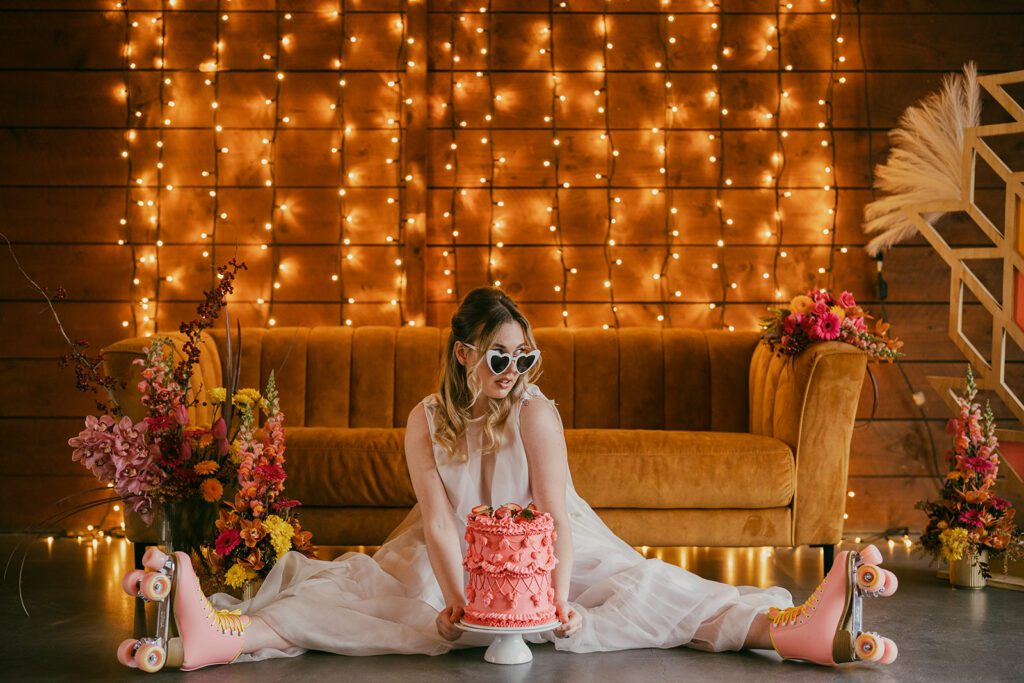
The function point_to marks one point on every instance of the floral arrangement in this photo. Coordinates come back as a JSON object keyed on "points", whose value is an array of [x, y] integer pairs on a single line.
{"points": [[189, 470], [158, 459], [258, 527], [967, 518], [819, 316]]}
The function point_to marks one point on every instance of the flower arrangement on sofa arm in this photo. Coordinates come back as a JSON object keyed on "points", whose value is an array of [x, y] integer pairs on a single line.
{"points": [[259, 527], [159, 459], [967, 518], [819, 316]]}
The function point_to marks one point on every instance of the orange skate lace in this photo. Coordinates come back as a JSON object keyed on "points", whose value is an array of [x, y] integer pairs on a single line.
{"points": [[791, 614]]}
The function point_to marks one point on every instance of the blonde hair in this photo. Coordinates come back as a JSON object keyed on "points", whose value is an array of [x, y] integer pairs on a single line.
{"points": [[477, 321]]}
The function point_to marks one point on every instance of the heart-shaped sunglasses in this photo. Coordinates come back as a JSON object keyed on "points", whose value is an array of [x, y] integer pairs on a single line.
{"points": [[498, 361]]}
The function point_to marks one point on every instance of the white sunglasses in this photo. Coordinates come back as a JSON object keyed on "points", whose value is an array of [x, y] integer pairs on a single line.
{"points": [[498, 361]]}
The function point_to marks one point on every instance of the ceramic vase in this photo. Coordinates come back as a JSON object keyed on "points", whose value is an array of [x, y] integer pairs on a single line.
{"points": [[966, 572]]}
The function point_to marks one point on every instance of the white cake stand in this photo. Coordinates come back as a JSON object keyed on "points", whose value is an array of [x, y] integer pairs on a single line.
{"points": [[508, 646]]}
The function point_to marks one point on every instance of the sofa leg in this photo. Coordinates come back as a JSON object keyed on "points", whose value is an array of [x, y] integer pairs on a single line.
{"points": [[828, 553]]}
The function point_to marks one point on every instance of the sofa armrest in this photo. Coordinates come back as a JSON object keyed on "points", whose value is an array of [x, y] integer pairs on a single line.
{"points": [[118, 363], [809, 402]]}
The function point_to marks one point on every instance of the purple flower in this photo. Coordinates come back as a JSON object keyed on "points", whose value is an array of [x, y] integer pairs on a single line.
{"points": [[971, 517], [1000, 503]]}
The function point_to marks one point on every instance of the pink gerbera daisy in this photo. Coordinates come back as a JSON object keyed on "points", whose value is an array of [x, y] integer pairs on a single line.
{"points": [[827, 327]]}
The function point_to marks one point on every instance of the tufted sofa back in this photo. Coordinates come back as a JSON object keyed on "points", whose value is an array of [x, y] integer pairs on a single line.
{"points": [[631, 378]]}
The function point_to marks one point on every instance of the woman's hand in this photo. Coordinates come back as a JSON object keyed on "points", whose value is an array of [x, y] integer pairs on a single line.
{"points": [[570, 618], [446, 620]]}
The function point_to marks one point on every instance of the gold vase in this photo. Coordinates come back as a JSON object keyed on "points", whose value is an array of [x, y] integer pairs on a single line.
{"points": [[966, 572], [250, 588]]}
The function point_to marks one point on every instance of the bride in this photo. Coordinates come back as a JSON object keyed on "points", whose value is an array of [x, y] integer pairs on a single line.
{"points": [[490, 436]]}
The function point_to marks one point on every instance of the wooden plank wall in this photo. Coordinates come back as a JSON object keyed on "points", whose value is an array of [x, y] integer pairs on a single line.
{"points": [[65, 185]]}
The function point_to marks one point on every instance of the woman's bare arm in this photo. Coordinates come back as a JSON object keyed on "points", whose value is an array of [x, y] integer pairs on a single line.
{"points": [[439, 527], [548, 461]]}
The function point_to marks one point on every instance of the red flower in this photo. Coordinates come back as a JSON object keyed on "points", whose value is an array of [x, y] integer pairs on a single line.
{"points": [[271, 472], [226, 541]]}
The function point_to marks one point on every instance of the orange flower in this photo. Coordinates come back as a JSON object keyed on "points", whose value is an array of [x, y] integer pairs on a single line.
{"points": [[801, 304], [206, 467], [252, 531], [211, 490]]}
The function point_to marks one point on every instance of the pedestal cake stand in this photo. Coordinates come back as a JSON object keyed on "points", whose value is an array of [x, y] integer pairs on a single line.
{"points": [[508, 646]]}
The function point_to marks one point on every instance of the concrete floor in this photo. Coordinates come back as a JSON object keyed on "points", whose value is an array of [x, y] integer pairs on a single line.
{"points": [[79, 615]]}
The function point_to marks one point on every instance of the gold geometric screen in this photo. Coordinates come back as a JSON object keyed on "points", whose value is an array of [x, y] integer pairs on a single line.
{"points": [[1003, 301]]}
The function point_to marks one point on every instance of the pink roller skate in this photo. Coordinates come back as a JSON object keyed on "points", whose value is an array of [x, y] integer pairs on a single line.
{"points": [[827, 628], [190, 633]]}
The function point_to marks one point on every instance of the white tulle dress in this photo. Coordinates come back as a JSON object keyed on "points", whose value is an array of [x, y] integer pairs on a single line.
{"points": [[388, 603]]}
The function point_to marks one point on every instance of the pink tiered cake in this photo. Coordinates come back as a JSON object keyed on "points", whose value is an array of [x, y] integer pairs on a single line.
{"points": [[509, 559]]}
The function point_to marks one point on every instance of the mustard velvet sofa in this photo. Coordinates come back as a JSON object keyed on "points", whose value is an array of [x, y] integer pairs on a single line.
{"points": [[675, 436]]}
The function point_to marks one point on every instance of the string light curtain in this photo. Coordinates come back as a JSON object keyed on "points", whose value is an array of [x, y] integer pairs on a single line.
{"points": [[547, 206]]}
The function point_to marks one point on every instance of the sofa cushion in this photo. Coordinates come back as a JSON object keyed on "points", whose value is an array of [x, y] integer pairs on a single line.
{"points": [[623, 468], [611, 468], [360, 466]]}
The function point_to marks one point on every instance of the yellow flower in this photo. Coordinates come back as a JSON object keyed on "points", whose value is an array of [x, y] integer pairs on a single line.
{"points": [[801, 303], [206, 467], [839, 311], [954, 543], [217, 395], [238, 575], [281, 533], [211, 490], [235, 453], [247, 395]]}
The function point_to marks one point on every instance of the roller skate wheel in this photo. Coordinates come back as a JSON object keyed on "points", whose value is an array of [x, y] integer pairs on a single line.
{"points": [[130, 582], [868, 647], [150, 657], [870, 578], [870, 555], [125, 652], [889, 656], [891, 582], [154, 559], [155, 586]]}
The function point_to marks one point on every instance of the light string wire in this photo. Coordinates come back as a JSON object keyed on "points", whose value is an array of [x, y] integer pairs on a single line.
{"points": [[453, 164], [214, 82], [130, 134], [271, 155], [489, 141], [833, 182], [402, 178], [780, 153], [339, 114], [610, 154], [721, 181], [669, 108], [399, 164], [555, 208], [165, 121]]}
